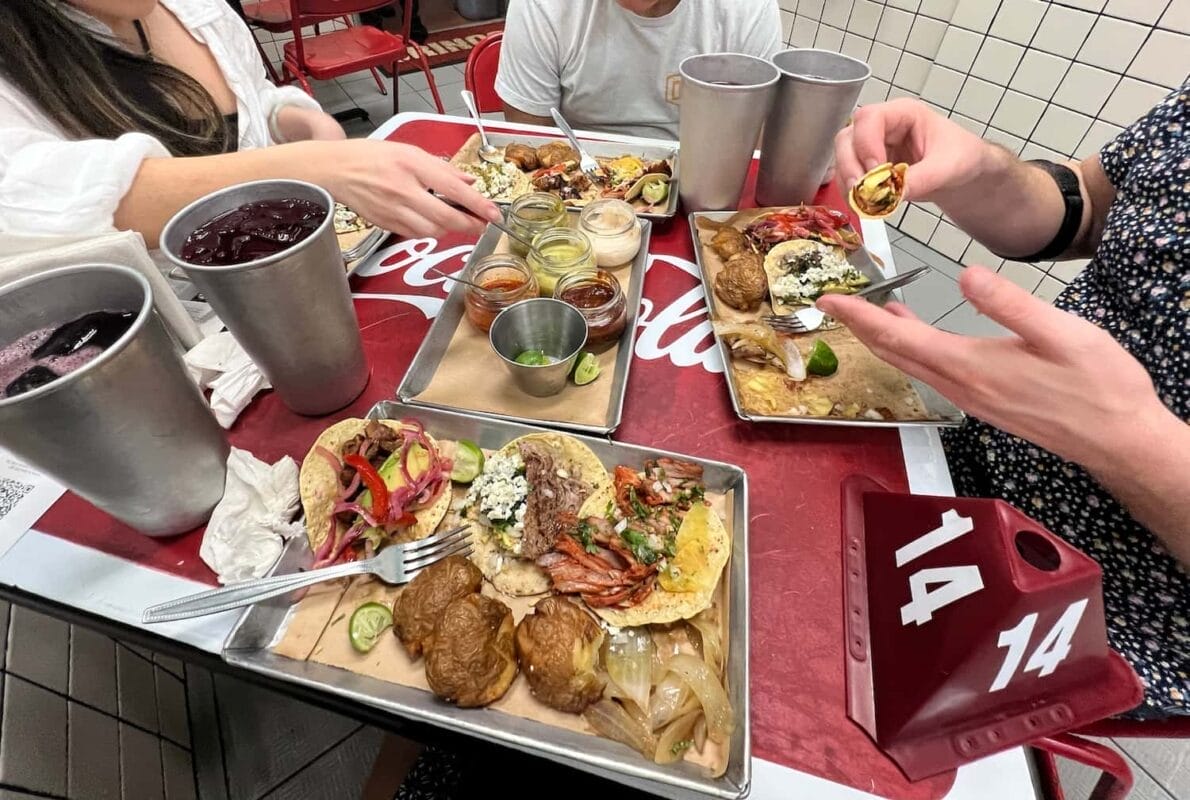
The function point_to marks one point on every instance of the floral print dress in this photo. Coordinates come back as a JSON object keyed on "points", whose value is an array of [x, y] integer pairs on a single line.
{"points": [[1138, 289]]}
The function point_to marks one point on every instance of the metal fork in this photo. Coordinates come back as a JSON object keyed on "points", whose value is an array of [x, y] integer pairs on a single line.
{"points": [[395, 564], [589, 165], [807, 320], [366, 246]]}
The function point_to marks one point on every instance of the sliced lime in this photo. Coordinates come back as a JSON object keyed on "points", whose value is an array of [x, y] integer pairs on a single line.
{"points": [[368, 622], [468, 462], [587, 369], [822, 360], [532, 358]]}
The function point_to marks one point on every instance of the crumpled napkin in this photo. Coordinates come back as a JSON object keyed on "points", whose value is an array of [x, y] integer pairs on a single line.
{"points": [[253, 520], [219, 363]]}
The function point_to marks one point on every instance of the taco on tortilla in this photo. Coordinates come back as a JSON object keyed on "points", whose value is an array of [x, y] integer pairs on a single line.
{"points": [[368, 483], [655, 556], [525, 490]]}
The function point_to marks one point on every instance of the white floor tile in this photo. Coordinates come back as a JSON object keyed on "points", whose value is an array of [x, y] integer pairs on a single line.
{"points": [[93, 770], [927, 255], [38, 648], [1166, 760], [33, 738], [1079, 780], [447, 76], [966, 320], [1025, 276], [932, 296]]}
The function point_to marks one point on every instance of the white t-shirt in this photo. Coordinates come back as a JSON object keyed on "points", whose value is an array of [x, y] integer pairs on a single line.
{"points": [[606, 68]]}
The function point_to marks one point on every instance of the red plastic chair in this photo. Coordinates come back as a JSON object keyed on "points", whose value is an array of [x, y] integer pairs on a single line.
{"points": [[275, 16], [359, 47], [479, 76], [1116, 780]]}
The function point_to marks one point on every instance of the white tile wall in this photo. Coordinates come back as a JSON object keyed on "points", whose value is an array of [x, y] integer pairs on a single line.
{"points": [[1054, 79]]}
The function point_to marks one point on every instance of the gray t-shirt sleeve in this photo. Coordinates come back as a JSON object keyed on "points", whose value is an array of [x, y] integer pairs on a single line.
{"points": [[530, 74], [762, 30]]}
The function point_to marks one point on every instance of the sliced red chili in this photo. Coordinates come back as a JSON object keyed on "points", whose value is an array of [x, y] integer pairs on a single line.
{"points": [[374, 482]]}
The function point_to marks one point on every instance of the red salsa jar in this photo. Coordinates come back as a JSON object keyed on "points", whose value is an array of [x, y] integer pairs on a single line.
{"points": [[598, 296], [505, 278]]}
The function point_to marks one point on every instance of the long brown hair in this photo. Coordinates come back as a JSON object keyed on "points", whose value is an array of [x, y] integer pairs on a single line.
{"points": [[67, 70]]}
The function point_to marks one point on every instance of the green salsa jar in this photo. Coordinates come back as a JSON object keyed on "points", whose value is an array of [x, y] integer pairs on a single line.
{"points": [[532, 214], [557, 253]]}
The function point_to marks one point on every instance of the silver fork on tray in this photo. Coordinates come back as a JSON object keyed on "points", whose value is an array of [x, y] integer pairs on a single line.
{"points": [[398, 563], [807, 320], [589, 165]]}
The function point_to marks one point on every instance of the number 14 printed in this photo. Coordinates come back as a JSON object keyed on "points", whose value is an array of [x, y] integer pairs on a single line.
{"points": [[962, 581]]}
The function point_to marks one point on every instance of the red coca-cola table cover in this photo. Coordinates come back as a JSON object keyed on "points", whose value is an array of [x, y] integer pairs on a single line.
{"points": [[678, 400]]}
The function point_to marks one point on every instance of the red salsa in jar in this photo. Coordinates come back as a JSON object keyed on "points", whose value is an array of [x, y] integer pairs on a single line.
{"points": [[598, 296], [505, 279]]}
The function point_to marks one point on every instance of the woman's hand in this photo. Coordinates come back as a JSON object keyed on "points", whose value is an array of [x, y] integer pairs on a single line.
{"points": [[1061, 382], [390, 185], [298, 124], [941, 154]]}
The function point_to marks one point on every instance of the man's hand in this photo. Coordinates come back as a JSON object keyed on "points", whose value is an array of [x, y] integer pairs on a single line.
{"points": [[942, 154], [1062, 383]]}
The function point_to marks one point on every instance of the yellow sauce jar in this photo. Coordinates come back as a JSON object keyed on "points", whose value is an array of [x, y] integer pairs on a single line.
{"points": [[532, 214], [559, 252], [613, 229]]}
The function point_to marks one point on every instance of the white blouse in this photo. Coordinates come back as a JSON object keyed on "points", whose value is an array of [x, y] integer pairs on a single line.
{"points": [[53, 185]]}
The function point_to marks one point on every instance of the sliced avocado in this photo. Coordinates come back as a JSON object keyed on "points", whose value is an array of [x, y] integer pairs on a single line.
{"points": [[390, 471]]}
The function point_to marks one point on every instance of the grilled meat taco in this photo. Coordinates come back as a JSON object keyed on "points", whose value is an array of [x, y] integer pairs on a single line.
{"points": [[654, 557], [525, 490], [367, 483]]}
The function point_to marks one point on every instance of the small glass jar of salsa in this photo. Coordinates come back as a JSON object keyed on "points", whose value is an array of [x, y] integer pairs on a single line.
{"points": [[533, 213], [557, 253], [613, 229], [505, 278], [598, 296]]}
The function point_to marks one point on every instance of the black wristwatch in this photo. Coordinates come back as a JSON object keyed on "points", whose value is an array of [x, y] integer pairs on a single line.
{"points": [[1072, 198]]}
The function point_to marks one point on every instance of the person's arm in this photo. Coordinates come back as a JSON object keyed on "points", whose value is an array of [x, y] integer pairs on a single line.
{"points": [[1011, 207], [384, 182], [529, 80], [1062, 383]]}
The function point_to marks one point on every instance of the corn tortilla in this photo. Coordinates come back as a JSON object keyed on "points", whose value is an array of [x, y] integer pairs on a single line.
{"points": [[319, 486]]}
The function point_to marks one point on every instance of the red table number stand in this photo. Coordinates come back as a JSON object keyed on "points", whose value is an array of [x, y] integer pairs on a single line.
{"points": [[970, 629]]}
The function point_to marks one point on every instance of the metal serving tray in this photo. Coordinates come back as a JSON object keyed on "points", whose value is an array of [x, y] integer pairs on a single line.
{"points": [[453, 313], [249, 643], [945, 413], [608, 147]]}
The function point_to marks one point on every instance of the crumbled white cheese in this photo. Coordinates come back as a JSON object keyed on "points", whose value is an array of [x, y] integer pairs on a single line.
{"points": [[806, 286], [500, 492], [492, 180], [621, 526]]}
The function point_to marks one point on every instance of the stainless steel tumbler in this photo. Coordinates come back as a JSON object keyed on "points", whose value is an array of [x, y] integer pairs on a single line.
{"points": [[129, 431], [725, 98], [815, 96], [291, 311]]}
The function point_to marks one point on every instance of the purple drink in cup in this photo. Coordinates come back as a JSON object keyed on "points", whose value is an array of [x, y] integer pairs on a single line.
{"points": [[49, 353]]}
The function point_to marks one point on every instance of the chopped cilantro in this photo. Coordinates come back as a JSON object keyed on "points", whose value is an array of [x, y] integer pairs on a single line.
{"points": [[607, 512], [585, 535], [638, 507], [638, 543]]}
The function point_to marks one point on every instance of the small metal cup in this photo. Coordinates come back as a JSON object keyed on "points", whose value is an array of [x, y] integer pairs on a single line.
{"points": [[291, 311], [815, 96], [725, 98], [128, 431], [557, 329]]}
